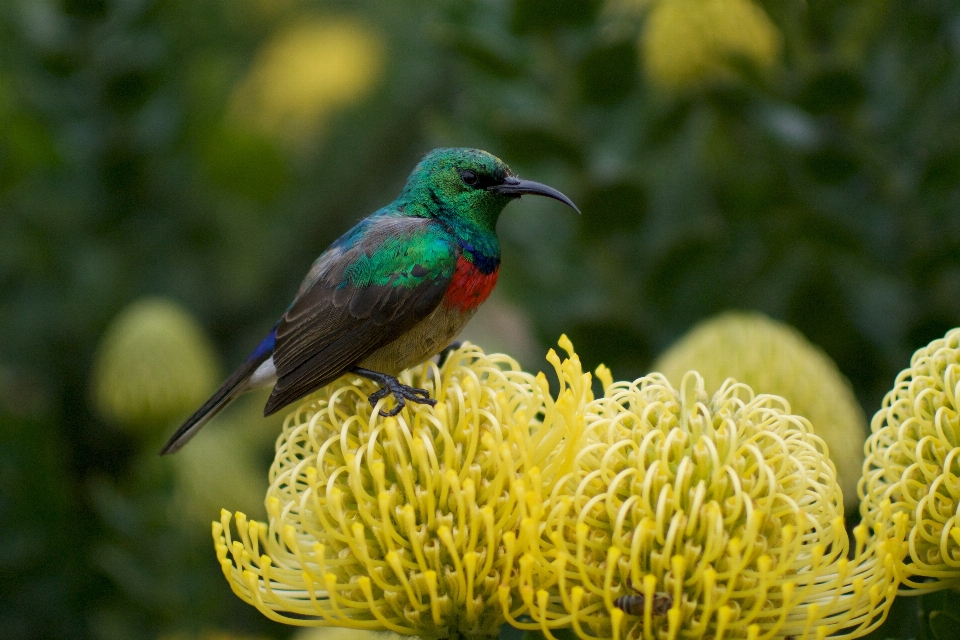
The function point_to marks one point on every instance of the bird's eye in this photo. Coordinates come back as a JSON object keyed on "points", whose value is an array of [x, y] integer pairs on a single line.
{"points": [[468, 177]]}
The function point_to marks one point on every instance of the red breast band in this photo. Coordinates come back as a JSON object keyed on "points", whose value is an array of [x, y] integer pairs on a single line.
{"points": [[469, 287]]}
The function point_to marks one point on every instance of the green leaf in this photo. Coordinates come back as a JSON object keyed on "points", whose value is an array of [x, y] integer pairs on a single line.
{"points": [[484, 57], [537, 16], [530, 144], [940, 615], [510, 633], [608, 73], [944, 626]]}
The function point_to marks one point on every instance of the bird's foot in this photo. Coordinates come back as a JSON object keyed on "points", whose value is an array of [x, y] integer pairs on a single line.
{"points": [[390, 385], [450, 348]]}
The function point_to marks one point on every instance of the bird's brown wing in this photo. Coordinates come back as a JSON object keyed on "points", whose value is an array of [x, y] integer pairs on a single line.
{"points": [[364, 292]]}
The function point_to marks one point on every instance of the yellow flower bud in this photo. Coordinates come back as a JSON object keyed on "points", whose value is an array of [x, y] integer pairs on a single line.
{"points": [[687, 42], [340, 633], [154, 365], [772, 357], [305, 73], [220, 469]]}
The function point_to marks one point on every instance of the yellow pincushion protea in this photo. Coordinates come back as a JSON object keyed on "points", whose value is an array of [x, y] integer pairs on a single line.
{"points": [[406, 524], [772, 357], [911, 478], [306, 73], [723, 512], [154, 364], [686, 42]]}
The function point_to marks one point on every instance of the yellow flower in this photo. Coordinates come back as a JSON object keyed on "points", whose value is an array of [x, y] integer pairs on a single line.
{"points": [[911, 478], [406, 524], [306, 73], [211, 635], [504, 503], [154, 365], [722, 512], [687, 42], [340, 633], [772, 357]]}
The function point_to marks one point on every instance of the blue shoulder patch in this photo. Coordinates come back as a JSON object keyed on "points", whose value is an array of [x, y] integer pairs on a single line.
{"points": [[266, 346]]}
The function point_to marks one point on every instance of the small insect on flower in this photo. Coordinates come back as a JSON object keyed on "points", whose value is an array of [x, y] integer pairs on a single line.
{"points": [[728, 502], [632, 604]]}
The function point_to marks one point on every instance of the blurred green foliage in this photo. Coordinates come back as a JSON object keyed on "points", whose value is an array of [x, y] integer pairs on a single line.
{"points": [[822, 190]]}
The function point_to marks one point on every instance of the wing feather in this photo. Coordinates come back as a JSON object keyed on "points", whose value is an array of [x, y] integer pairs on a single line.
{"points": [[363, 295]]}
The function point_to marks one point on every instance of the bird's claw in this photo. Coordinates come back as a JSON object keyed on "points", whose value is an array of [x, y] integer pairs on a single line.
{"points": [[390, 385], [378, 395], [397, 409], [402, 393]]}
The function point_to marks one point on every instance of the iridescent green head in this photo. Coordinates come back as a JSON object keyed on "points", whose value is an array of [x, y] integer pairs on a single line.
{"points": [[467, 188]]}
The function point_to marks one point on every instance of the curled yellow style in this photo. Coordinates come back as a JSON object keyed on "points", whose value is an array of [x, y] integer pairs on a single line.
{"points": [[911, 478], [646, 513], [403, 524], [689, 516]]}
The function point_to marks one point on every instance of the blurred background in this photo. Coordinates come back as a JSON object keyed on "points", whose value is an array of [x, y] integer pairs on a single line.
{"points": [[170, 168]]}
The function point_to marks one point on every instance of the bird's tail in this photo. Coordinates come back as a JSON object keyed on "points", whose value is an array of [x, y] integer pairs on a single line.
{"points": [[234, 386]]}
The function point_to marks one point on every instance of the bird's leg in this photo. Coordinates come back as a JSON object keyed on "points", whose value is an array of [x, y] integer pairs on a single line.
{"points": [[390, 385], [450, 348]]}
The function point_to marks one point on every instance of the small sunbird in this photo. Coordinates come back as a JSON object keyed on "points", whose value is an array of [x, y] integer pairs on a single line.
{"points": [[393, 291]]}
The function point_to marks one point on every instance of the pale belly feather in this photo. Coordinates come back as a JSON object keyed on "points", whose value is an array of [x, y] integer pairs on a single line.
{"points": [[426, 339]]}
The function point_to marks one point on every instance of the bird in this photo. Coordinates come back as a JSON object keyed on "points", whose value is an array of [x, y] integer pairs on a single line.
{"points": [[390, 293]]}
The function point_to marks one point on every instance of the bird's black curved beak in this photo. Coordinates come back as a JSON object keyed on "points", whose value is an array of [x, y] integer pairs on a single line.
{"points": [[514, 186]]}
